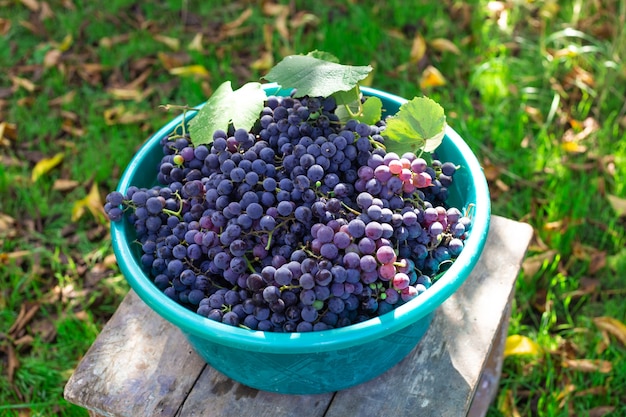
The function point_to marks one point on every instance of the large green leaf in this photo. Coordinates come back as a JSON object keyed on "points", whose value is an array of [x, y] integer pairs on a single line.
{"points": [[240, 107], [418, 125], [311, 76]]}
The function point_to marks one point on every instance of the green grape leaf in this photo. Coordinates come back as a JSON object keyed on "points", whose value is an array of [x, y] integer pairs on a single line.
{"points": [[372, 110], [348, 97], [326, 56], [311, 76], [418, 125], [240, 107]]}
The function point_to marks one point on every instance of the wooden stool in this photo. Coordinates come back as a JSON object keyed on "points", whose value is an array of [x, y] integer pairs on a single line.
{"points": [[140, 365]]}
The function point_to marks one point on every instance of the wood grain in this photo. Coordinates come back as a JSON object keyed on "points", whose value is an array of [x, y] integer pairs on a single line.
{"points": [[139, 365], [130, 369]]}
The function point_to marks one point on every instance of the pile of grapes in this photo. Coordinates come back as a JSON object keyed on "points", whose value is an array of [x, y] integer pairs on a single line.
{"points": [[301, 223]]}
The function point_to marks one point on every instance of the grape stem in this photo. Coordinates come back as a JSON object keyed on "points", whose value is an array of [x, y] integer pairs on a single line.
{"points": [[183, 123], [180, 209]]}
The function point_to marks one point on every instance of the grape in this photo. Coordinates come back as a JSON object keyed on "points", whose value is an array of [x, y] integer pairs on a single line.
{"points": [[374, 230], [299, 224], [309, 313], [455, 246], [368, 263], [271, 293], [329, 250], [401, 281]]}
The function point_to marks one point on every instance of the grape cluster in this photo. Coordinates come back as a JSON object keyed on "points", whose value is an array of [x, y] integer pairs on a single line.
{"points": [[302, 223]]}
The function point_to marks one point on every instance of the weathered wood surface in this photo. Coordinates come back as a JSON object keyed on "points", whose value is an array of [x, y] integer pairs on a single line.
{"points": [[142, 366]]}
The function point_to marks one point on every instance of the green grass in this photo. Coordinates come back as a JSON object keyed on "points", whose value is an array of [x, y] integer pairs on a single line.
{"points": [[517, 85]]}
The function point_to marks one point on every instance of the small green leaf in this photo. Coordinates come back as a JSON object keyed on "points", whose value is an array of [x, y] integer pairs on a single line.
{"points": [[418, 125], [372, 110], [349, 106], [311, 76], [240, 107]]}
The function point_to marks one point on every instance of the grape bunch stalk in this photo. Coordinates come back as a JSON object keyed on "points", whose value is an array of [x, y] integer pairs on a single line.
{"points": [[301, 223]]}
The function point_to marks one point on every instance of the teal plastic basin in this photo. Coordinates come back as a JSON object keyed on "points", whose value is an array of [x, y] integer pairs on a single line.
{"points": [[314, 362]]}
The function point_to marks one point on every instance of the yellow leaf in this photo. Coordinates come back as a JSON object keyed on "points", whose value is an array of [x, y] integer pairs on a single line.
{"points": [[444, 45], [612, 326], [91, 202], [520, 345], [431, 77], [418, 49], [264, 62], [78, 209], [46, 165], [94, 203], [190, 71], [66, 43], [588, 365], [506, 404], [573, 147]]}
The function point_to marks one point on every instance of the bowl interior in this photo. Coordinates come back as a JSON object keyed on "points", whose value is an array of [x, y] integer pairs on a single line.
{"points": [[469, 190]]}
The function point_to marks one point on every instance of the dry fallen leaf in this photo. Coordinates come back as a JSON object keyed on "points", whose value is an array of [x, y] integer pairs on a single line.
{"points": [[573, 147], [565, 393], [196, 43], [601, 410], [23, 318], [172, 43], [109, 41], [618, 204], [136, 94], [64, 185], [532, 264], [190, 71], [431, 77], [5, 26], [13, 362], [507, 404], [418, 48], [64, 99], [7, 226], [612, 326], [516, 345], [444, 45], [33, 5], [172, 60], [27, 85], [91, 202], [588, 365], [119, 115], [46, 165], [8, 131]]}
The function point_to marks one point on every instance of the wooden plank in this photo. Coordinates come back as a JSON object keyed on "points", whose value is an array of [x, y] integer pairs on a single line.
{"points": [[216, 395], [130, 369], [440, 376], [139, 365], [487, 387]]}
